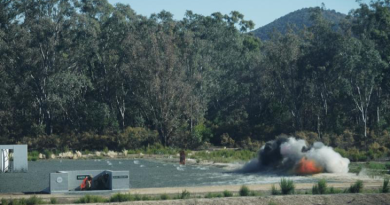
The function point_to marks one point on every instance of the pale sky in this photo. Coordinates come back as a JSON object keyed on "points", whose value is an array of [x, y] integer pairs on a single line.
{"points": [[261, 12]]}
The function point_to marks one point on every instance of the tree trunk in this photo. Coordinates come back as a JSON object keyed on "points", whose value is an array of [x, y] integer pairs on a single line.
{"points": [[319, 126]]}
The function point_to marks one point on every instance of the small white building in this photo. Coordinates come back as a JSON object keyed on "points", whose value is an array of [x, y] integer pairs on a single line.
{"points": [[19, 158], [4, 160]]}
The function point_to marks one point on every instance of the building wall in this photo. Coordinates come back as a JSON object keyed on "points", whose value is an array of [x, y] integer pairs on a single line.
{"points": [[20, 163], [4, 160]]}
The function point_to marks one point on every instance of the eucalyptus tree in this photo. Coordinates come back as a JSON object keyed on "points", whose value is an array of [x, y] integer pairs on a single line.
{"points": [[362, 73], [44, 25], [220, 65], [284, 76], [115, 50], [372, 21], [161, 89], [318, 60]]}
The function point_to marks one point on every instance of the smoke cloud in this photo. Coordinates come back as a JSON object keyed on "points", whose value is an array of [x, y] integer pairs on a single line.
{"points": [[294, 156]]}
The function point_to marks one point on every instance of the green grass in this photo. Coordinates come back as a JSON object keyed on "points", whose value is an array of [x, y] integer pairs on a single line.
{"points": [[121, 197], [287, 186], [33, 200], [164, 197], [213, 195], [91, 199], [332, 190], [372, 169]]}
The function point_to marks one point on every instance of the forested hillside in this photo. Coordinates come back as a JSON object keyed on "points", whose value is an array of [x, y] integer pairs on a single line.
{"points": [[85, 74], [297, 20]]}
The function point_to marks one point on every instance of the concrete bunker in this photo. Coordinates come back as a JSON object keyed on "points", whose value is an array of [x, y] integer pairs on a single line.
{"points": [[18, 163], [102, 180]]}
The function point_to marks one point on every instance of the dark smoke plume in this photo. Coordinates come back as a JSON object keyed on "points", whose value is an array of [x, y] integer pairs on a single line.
{"points": [[292, 156]]}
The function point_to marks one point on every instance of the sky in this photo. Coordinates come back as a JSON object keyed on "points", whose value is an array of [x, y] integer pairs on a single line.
{"points": [[261, 12]]}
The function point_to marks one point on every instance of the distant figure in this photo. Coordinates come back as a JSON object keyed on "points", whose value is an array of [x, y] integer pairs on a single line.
{"points": [[87, 183], [182, 157]]}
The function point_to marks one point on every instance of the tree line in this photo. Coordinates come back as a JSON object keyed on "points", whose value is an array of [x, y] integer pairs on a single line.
{"points": [[85, 69]]}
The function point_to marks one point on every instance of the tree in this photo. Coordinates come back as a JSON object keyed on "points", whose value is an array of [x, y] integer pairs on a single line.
{"points": [[372, 21], [161, 87], [283, 75], [362, 73]]}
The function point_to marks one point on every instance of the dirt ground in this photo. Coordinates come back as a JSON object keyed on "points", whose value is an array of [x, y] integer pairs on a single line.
{"points": [[264, 188], [336, 199]]}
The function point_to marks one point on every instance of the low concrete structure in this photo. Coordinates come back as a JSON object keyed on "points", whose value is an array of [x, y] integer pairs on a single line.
{"points": [[19, 157], [70, 181], [4, 160]]}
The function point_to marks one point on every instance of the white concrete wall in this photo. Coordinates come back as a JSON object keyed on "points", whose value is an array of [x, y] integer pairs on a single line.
{"points": [[64, 181], [20, 163], [4, 160]]}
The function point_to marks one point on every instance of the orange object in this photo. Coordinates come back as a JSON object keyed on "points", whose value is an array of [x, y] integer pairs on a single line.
{"points": [[306, 167], [84, 183], [87, 183]]}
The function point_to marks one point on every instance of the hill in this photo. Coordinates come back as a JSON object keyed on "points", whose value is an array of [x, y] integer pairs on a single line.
{"points": [[299, 18]]}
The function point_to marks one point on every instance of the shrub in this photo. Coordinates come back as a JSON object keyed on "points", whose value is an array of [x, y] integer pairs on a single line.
{"points": [[274, 190], [357, 187], [320, 187], [91, 199], [355, 155], [47, 153], [105, 150], [33, 156], [244, 191], [227, 193], [4, 202], [137, 197], [146, 198], [185, 194], [87, 152], [34, 200], [287, 186], [121, 197], [213, 195], [332, 190], [30, 201], [385, 187], [375, 150], [134, 137], [342, 152], [53, 201], [310, 137], [164, 197]]}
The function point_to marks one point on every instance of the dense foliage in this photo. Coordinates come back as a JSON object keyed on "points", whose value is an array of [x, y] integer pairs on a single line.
{"points": [[297, 20], [84, 74]]}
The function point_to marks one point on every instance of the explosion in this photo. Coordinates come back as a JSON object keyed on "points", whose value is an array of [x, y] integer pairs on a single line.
{"points": [[307, 167], [289, 155]]}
